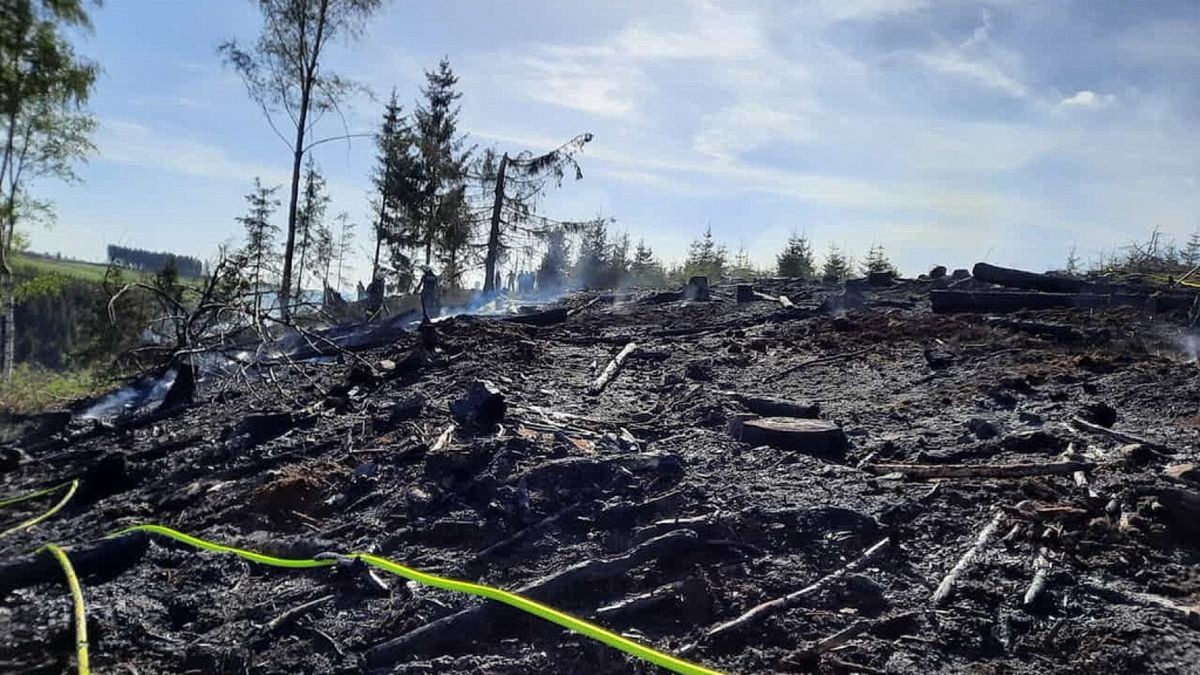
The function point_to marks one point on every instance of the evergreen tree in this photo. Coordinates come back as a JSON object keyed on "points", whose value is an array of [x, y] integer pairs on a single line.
{"points": [[645, 269], [310, 217], [618, 260], [260, 235], [836, 266], [445, 223], [743, 268], [345, 242], [1191, 252], [396, 180], [1072, 262], [592, 267], [705, 258], [796, 259], [552, 270], [877, 261], [324, 251]]}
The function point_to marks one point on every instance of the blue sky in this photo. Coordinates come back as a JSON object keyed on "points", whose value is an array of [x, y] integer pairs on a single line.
{"points": [[947, 131]]}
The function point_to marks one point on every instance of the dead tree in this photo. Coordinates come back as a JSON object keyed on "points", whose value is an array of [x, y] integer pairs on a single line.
{"points": [[520, 180]]}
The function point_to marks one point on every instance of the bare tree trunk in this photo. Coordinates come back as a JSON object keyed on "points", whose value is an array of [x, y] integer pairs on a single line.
{"points": [[8, 323], [493, 250], [310, 76]]}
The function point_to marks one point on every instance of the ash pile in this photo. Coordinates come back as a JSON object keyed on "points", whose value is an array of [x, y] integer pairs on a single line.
{"points": [[964, 472]]}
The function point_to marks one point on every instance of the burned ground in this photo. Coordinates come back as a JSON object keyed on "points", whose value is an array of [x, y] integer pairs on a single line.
{"points": [[700, 527]]}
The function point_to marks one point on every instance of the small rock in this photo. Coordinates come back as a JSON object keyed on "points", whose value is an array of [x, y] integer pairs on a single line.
{"points": [[961, 274], [483, 405], [937, 272], [1136, 454], [983, 428]]}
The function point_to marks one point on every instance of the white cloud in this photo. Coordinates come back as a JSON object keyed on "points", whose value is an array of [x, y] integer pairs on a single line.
{"points": [[861, 9], [1088, 99], [746, 126], [136, 144], [980, 59]]}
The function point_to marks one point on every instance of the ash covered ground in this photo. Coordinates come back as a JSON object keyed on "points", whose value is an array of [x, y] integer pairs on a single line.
{"points": [[651, 507]]}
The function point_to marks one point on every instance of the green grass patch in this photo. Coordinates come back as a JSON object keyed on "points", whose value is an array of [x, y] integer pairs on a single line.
{"points": [[31, 266], [34, 389]]}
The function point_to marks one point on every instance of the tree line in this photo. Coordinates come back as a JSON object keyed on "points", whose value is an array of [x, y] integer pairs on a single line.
{"points": [[141, 259]]}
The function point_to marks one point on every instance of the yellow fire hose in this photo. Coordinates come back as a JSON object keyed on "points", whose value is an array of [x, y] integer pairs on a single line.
{"points": [[522, 603], [80, 613], [547, 613], [26, 524]]}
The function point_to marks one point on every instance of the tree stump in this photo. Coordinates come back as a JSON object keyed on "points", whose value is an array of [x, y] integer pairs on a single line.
{"points": [[813, 437]]}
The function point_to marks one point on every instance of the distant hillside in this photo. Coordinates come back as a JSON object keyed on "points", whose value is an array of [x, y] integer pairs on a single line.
{"points": [[32, 264]]}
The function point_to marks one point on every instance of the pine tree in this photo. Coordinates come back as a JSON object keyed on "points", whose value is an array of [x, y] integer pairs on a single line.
{"points": [[743, 268], [260, 235], [591, 269], [1191, 252], [618, 260], [345, 243], [876, 261], [444, 222], [555, 260], [796, 259], [396, 179], [310, 217], [705, 258], [1072, 262], [836, 266], [323, 251], [645, 269]]}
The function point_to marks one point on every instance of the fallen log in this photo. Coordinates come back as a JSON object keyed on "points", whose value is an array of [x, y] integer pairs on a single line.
{"points": [[611, 370], [980, 470], [772, 607], [546, 318], [1002, 302], [824, 359], [104, 559], [481, 620], [1004, 276], [946, 587]]}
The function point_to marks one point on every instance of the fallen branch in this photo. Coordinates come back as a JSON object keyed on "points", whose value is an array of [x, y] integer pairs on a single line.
{"points": [[1041, 567], [611, 370], [443, 439], [823, 359], [288, 615], [1123, 436], [980, 470], [947, 586], [772, 607]]}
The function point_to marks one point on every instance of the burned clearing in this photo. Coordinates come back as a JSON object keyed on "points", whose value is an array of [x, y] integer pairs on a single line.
{"points": [[778, 478]]}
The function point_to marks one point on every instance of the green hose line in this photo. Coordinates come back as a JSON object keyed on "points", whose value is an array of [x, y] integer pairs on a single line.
{"points": [[79, 611], [25, 525], [292, 563], [8, 501], [671, 663], [522, 603]]}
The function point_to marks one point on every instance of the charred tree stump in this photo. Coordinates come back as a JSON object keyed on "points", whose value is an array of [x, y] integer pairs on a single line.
{"points": [[815, 437]]}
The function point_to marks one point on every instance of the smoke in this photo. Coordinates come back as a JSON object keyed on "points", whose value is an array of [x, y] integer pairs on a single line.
{"points": [[146, 391], [1189, 344]]}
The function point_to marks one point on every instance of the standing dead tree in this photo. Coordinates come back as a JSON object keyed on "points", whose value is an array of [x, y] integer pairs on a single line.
{"points": [[519, 181]]}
